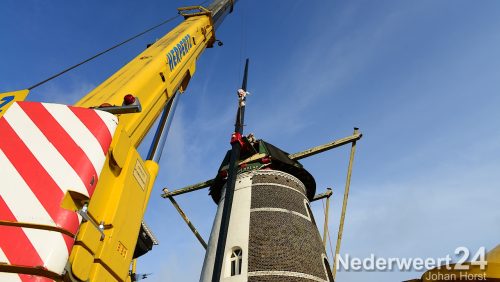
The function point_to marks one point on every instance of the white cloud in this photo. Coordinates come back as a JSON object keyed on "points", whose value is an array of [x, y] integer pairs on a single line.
{"points": [[425, 212], [63, 93]]}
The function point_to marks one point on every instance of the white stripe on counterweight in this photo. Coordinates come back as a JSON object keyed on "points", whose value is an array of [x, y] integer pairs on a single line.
{"points": [[4, 276], [18, 196], [50, 246], [109, 120], [3, 257], [79, 133], [43, 150]]}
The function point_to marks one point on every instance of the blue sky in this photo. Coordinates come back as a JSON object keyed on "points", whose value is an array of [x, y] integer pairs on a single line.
{"points": [[420, 78]]}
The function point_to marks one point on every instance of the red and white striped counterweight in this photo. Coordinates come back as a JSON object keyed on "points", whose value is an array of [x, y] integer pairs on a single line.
{"points": [[46, 150]]}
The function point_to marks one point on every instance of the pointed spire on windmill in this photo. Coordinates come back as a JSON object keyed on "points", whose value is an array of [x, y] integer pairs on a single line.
{"points": [[236, 145]]}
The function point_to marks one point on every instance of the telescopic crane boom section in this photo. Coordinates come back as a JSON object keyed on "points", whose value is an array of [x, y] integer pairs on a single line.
{"points": [[100, 175], [118, 205], [164, 68]]}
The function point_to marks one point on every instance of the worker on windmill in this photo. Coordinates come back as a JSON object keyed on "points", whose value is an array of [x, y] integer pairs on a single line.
{"points": [[251, 138], [242, 94]]}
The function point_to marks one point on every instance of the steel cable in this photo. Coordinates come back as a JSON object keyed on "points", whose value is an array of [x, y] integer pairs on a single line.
{"points": [[107, 50]]}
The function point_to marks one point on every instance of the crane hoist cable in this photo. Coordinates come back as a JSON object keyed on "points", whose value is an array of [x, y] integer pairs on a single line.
{"points": [[107, 50]]}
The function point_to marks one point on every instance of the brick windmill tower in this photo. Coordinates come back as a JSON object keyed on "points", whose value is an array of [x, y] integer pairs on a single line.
{"points": [[264, 229], [272, 234]]}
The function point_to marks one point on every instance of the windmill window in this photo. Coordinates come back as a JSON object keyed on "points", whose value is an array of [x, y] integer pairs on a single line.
{"points": [[236, 261]]}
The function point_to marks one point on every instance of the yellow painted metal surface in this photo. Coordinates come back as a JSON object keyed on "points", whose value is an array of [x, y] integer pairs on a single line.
{"points": [[126, 181], [8, 98], [491, 271], [150, 77], [118, 203]]}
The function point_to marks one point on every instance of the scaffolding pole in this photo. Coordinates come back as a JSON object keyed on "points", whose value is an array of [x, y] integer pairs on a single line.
{"points": [[325, 226], [186, 219], [344, 203]]}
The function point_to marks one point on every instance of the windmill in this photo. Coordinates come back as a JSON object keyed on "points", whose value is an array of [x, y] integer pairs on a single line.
{"points": [[264, 229]]}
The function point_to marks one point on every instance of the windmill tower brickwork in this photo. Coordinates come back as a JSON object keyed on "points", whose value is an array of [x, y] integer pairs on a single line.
{"points": [[272, 234]]}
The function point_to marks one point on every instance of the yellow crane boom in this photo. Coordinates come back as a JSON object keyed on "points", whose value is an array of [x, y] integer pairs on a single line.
{"points": [[112, 234], [164, 68], [120, 199]]}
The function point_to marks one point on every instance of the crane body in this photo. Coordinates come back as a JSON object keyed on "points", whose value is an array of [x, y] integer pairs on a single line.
{"points": [[109, 233]]}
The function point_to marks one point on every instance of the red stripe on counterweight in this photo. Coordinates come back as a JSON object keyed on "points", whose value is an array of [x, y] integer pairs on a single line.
{"points": [[63, 142], [15, 244], [37, 178], [95, 125], [31, 278]]}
